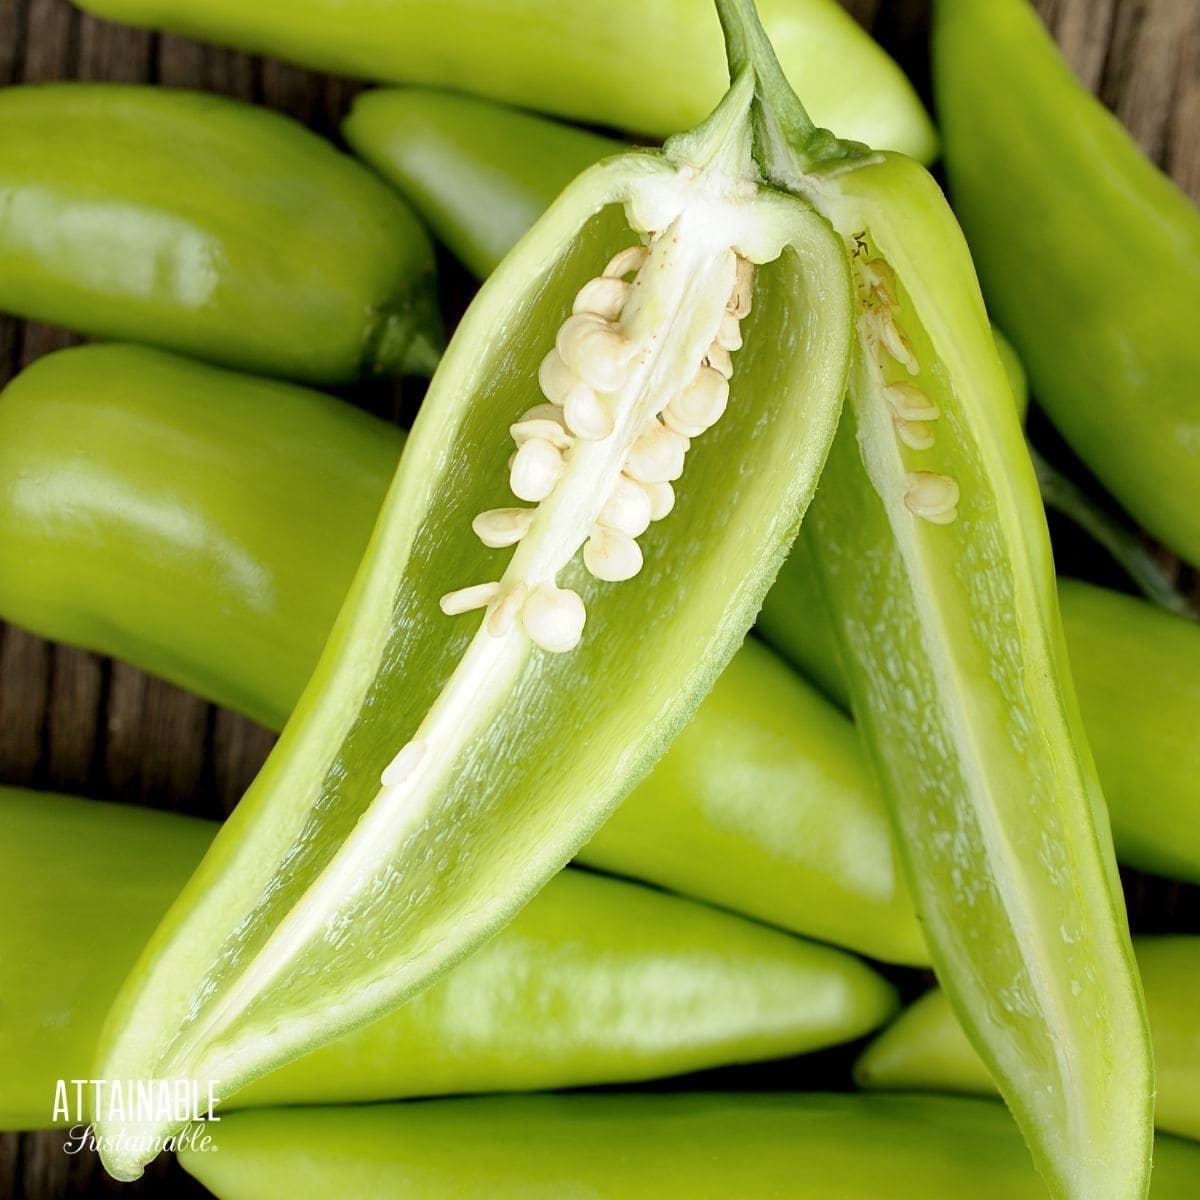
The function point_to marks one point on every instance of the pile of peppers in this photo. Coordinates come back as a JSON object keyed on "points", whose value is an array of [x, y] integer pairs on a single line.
{"points": [[742, 384]]}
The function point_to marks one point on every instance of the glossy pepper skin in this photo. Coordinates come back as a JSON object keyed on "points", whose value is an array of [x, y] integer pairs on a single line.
{"points": [[931, 546], [643, 1147], [598, 981], [160, 511], [925, 1050], [428, 782], [649, 68], [479, 174], [210, 227], [1088, 255]]}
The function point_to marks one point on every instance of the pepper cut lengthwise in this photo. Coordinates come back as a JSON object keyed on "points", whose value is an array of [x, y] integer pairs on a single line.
{"points": [[1088, 255], [210, 227], [598, 981], [429, 781], [931, 545], [648, 68], [163, 512], [640, 1147]]}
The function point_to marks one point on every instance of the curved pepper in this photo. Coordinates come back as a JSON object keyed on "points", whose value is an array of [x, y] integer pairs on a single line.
{"points": [[925, 1050], [931, 545], [639, 1147], [158, 510], [651, 69], [597, 981], [440, 768], [210, 227], [1067, 218]]}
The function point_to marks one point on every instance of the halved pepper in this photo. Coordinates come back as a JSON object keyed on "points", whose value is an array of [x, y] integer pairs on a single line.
{"points": [[438, 768], [211, 227], [651, 69], [597, 981], [930, 542]]}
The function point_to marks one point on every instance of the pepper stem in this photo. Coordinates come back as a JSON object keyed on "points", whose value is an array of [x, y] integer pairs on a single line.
{"points": [[786, 142]]}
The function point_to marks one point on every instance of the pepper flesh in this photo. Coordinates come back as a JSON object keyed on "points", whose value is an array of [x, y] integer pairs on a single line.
{"points": [[651, 69], [311, 880], [925, 1050], [597, 981], [1065, 215], [160, 513], [638, 1147], [931, 545], [210, 227]]}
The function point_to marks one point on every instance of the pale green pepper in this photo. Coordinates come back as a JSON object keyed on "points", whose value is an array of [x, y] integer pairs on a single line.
{"points": [[636, 1147], [210, 227], [597, 981], [931, 545], [925, 1050], [1089, 257], [651, 69], [432, 776]]}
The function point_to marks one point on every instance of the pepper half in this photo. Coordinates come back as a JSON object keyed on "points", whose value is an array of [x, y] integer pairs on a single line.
{"points": [[931, 545], [440, 768]]}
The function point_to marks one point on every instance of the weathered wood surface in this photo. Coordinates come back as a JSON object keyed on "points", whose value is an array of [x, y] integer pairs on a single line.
{"points": [[71, 721]]}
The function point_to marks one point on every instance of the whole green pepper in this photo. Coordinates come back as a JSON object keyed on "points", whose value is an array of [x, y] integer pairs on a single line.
{"points": [[925, 1050], [442, 766], [159, 510], [1088, 255], [210, 227], [931, 545], [639, 1147], [651, 69], [597, 981]]}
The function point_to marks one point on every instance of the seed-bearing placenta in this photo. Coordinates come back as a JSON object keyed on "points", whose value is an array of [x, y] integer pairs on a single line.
{"points": [[611, 439], [886, 347]]}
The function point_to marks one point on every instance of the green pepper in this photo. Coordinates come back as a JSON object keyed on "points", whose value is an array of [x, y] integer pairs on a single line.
{"points": [[925, 1050], [597, 981], [478, 174], [210, 227], [157, 510], [1089, 257], [440, 767], [932, 549], [638, 1147], [650, 69]]}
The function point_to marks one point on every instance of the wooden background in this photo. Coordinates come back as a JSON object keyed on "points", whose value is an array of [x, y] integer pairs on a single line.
{"points": [[71, 721]]}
